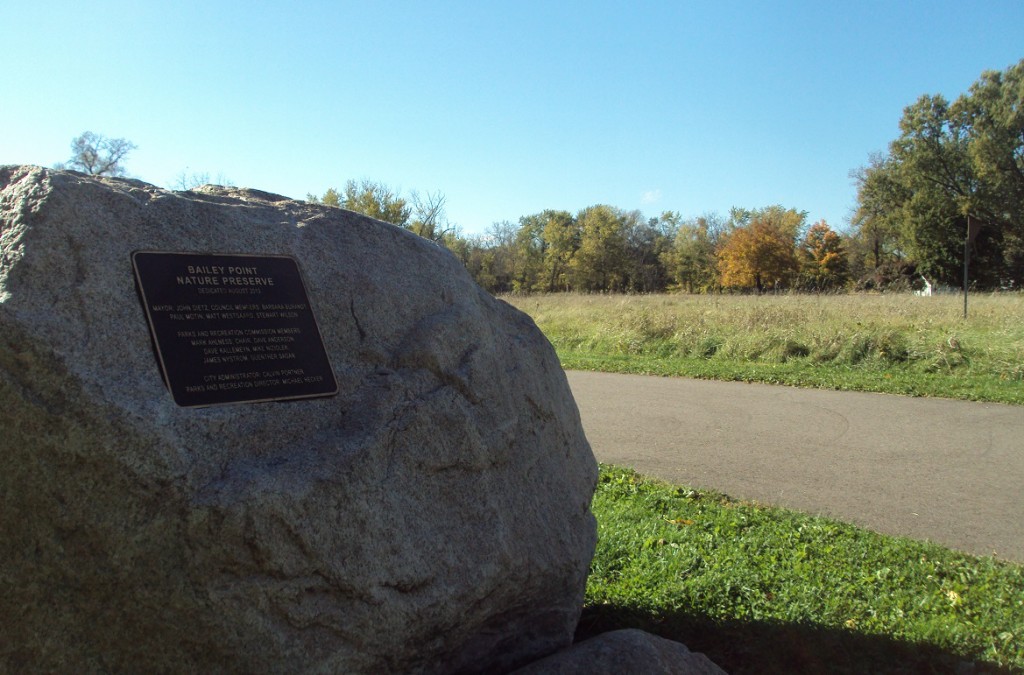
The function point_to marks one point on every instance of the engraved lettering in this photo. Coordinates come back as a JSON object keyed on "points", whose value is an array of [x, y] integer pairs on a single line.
{"points": [[221, 323]]}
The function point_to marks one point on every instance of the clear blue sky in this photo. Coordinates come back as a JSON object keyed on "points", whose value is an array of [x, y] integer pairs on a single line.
{"points": [[507, 108]]}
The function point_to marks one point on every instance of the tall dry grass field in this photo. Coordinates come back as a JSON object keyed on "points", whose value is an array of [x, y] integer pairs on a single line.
{"points": [[892, 343]]}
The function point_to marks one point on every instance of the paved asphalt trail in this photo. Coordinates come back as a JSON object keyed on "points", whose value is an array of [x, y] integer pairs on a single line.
{"points": [[948, 471]]}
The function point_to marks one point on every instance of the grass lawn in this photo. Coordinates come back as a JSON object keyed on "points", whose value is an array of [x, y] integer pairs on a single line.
{"points": [[766, 590], [898, 344]]}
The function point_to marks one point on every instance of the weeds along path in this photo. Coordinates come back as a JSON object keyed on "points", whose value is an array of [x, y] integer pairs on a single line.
{"points": [[951, 472]]}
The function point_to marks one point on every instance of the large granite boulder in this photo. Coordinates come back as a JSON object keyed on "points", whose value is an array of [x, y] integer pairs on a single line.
{"points": [[433, 516]]}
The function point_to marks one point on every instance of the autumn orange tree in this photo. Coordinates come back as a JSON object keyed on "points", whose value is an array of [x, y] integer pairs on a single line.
{"points": [[761, 254], [823, 264]]}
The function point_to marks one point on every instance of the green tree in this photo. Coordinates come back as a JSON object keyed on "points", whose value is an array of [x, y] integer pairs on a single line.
{"points": [[562, 239], [951, 162], [938, 180], [423, 214], [529, 253], [376, 200], [500, 261], [98, 155], [995, 106], [370, 198], [692, 262], [461, 247], [332, 198], [878, 217], [647, 241], [600, 264], [480, 263]]}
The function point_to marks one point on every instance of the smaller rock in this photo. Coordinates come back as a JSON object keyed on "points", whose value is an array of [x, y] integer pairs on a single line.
{"points": [[624, 652]]}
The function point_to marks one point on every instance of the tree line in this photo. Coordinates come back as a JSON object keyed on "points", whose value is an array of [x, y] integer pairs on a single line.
{"points": [[953, 165], [954, 176], [602, 248]]}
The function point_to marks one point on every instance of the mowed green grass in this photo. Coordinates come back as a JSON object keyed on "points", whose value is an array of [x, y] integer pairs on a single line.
{"points": [[894, 343], [766, 590]]}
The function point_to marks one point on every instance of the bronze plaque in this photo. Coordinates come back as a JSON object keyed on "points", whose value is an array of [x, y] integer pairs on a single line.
{"points": [[232, 328]]}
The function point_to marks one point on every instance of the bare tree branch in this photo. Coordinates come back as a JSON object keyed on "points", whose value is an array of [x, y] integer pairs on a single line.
{"points": [[98, 155]]}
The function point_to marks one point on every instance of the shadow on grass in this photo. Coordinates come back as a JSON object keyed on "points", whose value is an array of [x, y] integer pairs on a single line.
{"points": [[769, 648]]}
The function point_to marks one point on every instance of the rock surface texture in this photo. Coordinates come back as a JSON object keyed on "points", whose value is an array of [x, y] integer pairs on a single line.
{"points": [[432, 517], [625, 652]]}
